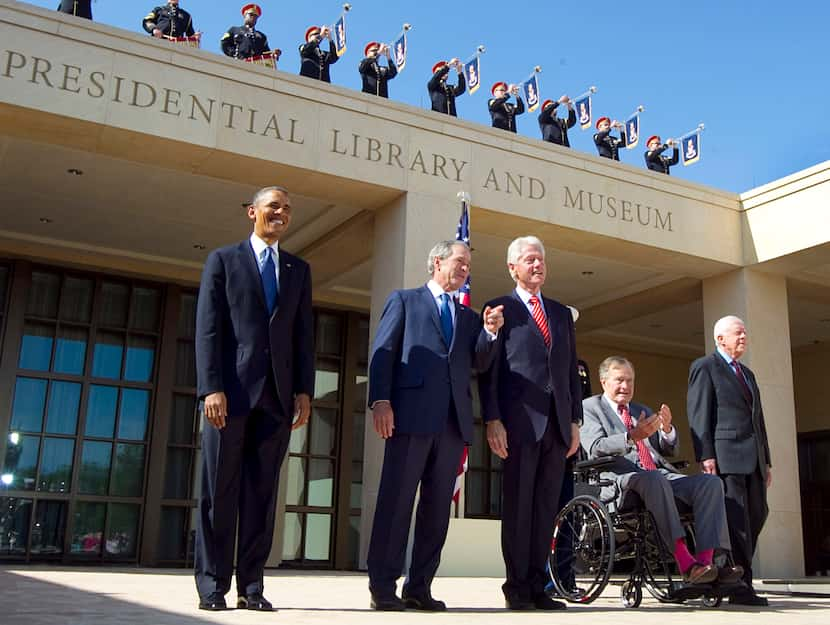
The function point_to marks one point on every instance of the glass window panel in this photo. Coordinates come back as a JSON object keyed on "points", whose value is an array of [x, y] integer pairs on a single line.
{"points": [[295, 483], [323, 430], [135, 406], [122, 534], [187, 316], [358, 433], [49, 527], [292, 536], [177, 473], [4, 286], [94, 477], [14, 525], [70, 350], [20, 466], [106, 359], [317, 536], [298, 443], [326, 380], [354, 543], [43, 295], [363, 339], [172, 543], [88, 527], [114, 305], [495, 493], [181, 422], [360, 390], [141, 351], [329, 334], [146, 308], [36, 346], [56, 465], [100, 411], [185, 363], [356, 490], [128, 472], [320, 482], [62, 413], [76, 299], [474, 493], [29, 401]]}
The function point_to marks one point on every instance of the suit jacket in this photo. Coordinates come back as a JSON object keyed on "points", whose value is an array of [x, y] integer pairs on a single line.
{"points": [[529, 384], [414, 368], [724, 425], [236, 341], [603, 434]]}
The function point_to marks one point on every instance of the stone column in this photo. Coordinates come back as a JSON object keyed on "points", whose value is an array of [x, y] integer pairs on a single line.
{"points": [[405, 231], [760, 299]]}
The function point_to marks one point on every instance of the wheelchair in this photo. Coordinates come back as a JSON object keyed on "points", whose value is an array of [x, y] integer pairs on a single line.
{"points": [[592, 535]]}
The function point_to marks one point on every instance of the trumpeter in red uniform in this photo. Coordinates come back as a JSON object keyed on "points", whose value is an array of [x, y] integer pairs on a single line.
{"points": [[502, 111], [314, 61], [608, 145], [655, 160], [243, 42], [374, 75], [441, 94], [555, 129]]}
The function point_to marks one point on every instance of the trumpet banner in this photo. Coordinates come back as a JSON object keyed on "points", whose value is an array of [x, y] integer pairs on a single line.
{"points": [[472, 74], [399, 52], [340, 36], [583, 112], [530, 91], [632, 131], [690, 148]]}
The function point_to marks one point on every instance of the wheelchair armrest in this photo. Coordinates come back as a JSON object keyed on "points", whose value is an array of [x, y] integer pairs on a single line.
{"points": [[598, 463]]}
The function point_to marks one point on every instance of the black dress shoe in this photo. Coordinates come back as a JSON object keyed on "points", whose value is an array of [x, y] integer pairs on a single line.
{"points": [[387, 604], [519, 605], [748, 598], [254, 601], [701, 574], [730, 574], [543, 602], [215, 601], [426, 603]]}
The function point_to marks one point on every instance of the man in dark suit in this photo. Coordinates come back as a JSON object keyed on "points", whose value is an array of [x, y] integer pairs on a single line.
{"points": [[730, 440], [78, 8], [555, 129], [255, 373], [531, 400], [639, 440], [655, 160], [314, 61], [425, 348], [441, 94]]}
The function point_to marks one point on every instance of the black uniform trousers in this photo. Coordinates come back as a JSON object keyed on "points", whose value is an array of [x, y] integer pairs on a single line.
{"points": [[533, 479], [240, 472], [409, 459], [745, 496]]}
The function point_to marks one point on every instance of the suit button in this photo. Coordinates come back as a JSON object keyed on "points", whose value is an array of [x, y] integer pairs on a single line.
{"points": [[548, 389]]}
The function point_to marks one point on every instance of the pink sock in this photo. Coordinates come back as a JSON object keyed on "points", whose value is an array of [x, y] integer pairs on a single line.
{"points": [[681, 553], [705, 556]]}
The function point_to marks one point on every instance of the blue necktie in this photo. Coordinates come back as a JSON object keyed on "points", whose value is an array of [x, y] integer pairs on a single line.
{"points": [[446, 319], [269, 282]]}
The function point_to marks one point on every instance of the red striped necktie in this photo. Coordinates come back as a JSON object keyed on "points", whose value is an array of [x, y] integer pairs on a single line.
{"points": [[646, 461], [539, 318]]}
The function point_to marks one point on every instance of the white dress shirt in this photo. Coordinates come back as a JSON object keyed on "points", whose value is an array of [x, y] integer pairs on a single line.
{"points": [[669, 437], [525, 297], [259, 246]]}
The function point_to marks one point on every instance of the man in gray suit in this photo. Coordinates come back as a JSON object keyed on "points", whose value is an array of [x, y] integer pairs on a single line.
{"points": [[639, 444]]}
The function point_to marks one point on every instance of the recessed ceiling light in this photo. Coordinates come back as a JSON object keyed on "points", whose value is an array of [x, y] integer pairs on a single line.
{"points": [[45, 220], [75, 171], [587, 273], [198, 246]]}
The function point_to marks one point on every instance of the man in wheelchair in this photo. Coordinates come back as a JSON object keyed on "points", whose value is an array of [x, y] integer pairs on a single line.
{"points": [[639, 441]]}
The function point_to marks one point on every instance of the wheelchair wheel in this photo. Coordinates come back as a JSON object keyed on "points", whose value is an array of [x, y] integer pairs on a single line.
{"points": [[583, 546], [711, 601], [660, 574], [631, 594]]}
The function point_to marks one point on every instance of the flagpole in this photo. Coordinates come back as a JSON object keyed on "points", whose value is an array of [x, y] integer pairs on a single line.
{"points": [[404, 29], [640, 109], [591, 91], [700, 128], [479, 51]]}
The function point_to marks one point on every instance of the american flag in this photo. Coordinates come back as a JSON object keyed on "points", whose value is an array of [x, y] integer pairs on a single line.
{"points": [[462, 233]]}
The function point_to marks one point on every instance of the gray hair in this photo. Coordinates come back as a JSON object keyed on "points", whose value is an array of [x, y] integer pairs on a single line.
{"points": [[518, 245], [723, 324], [442, 250], [266, 190], [613, 362]]}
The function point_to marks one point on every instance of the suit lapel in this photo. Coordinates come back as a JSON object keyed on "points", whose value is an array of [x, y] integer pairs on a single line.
{"points": [[616, 426], [726, 370], [251, 266], [429, 301], [531, 320], [553, 328], [285, 281]]}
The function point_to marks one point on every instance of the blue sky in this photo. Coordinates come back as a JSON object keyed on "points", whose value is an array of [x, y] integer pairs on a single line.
{"points": [[754, 72]]}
